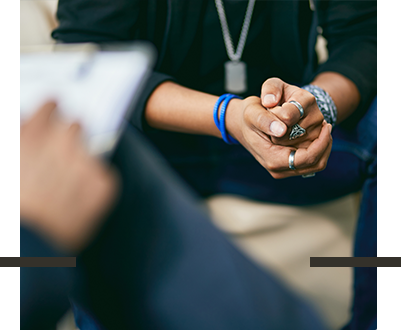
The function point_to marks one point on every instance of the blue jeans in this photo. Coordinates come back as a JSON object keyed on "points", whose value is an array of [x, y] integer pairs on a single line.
{"points": [[159, 263], [210, 166]]}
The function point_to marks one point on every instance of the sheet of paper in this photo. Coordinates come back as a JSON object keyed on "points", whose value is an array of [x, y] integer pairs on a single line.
{"points": [[94, 89]]}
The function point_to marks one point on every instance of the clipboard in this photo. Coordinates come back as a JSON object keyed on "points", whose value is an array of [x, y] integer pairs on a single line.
{"points": [[95, 87]]}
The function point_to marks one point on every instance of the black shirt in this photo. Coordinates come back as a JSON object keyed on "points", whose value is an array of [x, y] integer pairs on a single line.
{"points": [[187, 35], [213, 50]]}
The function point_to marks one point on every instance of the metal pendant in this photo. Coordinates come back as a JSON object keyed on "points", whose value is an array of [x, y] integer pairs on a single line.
{"points": [[235, 77]]}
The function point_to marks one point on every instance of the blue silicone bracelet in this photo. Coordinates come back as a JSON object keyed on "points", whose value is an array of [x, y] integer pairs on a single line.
{"points": [[226, 137], [221, 123], [216, 110]]}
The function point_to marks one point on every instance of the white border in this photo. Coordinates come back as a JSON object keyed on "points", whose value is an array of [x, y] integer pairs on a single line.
{"points": [[9, 170], [389, 196]]}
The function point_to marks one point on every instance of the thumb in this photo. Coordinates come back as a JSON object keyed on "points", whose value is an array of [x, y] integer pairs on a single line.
{"points": [[272, 90], [266, 122]]}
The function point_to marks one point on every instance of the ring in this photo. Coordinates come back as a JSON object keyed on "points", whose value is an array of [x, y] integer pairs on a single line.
{"points": [[310, 175], [291, 160], [296, 132], [299, 106]]}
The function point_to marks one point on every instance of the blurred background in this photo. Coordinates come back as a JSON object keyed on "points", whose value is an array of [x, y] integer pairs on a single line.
{"points": [[281, 238]]}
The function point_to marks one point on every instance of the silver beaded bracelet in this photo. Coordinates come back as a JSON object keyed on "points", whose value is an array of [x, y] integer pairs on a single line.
{"points": [[324, 102]]}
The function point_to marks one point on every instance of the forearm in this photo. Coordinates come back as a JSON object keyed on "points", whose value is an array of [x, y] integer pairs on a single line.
{"points": [[176, 108], [343, 91]]}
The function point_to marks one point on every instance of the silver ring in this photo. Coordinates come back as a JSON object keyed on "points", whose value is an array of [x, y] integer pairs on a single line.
{"points": [[296, 132], [299, 106], [291, 160], [310, 175]]}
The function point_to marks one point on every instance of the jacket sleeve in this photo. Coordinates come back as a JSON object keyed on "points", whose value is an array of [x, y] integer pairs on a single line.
{"points": [[105, 21], [350, 28]]}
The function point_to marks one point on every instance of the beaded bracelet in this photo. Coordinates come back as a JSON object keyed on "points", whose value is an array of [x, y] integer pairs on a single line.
{"points": [[324, 102], [221, 123]]}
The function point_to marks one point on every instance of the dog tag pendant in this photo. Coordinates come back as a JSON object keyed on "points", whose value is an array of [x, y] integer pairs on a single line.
{"points": [[235, 77]]}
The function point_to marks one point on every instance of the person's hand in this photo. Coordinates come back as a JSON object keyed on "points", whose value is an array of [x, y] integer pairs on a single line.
{"points": [[64, 191], [275, 96], [254, 126]]}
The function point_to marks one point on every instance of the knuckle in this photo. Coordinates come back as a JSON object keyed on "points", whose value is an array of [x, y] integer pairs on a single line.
{"points": [[273, 166], [266, 84], [322, 165], [286, 116], [275, 175], [268, 165], [311, 160], [247, 114], [261, 120], [309, 99], [272, 82], [319, 115], [275, 79]]}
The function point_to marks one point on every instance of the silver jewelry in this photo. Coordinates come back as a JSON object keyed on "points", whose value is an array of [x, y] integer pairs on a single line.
{"points": [[291, 160], [299, 106], [310, 175], [296, 132], [324, 102], [235, 69]]}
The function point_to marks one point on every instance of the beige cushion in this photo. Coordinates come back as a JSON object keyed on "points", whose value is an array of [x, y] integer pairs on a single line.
{"points": [[37, 21], [283, 238]]}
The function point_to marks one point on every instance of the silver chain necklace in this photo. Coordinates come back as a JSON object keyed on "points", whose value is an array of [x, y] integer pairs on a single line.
{"points": [[235, 69]]}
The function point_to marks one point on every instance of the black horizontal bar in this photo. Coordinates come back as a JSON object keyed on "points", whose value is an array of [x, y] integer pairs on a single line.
{"points": [[38, 262], [355, 261]]}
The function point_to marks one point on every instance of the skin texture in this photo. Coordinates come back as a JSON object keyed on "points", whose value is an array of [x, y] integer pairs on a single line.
{"points": [[276, 94], [64, 191], [261, 125], [274, 157]]}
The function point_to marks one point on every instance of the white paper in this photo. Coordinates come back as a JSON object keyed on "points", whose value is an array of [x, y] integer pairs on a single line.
{"points": [[94, 89]]}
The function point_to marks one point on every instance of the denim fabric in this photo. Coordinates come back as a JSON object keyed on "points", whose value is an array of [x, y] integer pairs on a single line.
{"points": [[43, 290], [210, 166], [159, 262]]}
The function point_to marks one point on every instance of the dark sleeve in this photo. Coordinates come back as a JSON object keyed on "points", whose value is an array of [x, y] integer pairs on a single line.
{"points": [[105, 21], [350, 28], [97, 21]]}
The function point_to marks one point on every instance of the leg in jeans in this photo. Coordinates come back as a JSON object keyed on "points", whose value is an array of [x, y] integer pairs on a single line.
{"points": [[160, 263], [43, 291], [211, 167], [365, 279]]}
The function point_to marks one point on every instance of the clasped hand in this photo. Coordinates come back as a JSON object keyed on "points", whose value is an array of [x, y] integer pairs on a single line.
{"points": [[262, 125]]}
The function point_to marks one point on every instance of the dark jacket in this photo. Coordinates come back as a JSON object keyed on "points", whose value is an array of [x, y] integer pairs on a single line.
{"points": [[349, 27]]}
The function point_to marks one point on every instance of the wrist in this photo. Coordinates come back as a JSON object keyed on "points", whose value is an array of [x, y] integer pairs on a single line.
{"points": [[219, 116], [233, 118], [325, 103]]}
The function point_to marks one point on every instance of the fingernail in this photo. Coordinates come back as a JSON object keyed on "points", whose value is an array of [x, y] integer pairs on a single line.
{"points": [[330, 127], [277, 128], [269, 98]]}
